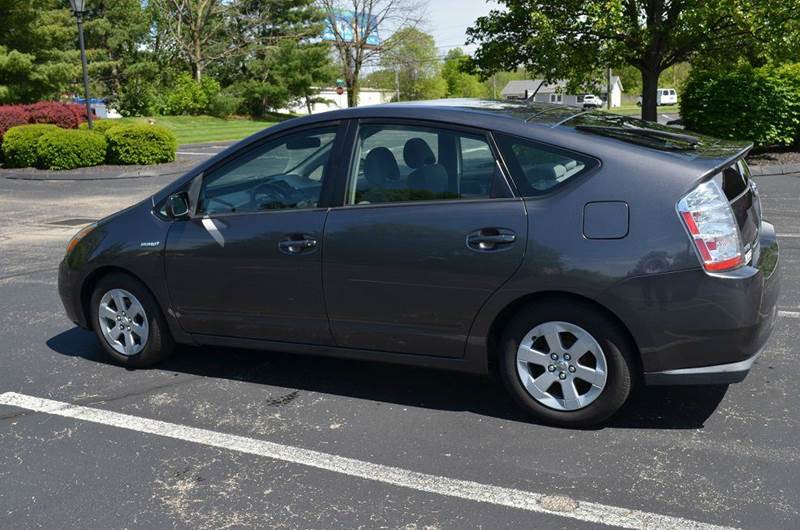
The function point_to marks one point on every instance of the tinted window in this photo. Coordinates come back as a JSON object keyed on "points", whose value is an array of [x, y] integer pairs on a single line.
{"points": [[537, 168], [733, 181], [398, 163], [279, 174]]}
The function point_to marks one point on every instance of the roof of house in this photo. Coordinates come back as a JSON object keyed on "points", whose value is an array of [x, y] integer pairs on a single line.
{"points": [[515, 88]]}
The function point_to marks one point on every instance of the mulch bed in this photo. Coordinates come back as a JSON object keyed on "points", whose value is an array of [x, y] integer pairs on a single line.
{"points": [[775, 157]]}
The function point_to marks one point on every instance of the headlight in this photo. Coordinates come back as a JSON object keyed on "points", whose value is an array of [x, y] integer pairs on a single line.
{"points": [[80, 235]]}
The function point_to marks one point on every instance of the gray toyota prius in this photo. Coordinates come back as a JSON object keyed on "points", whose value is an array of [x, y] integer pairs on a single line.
{"points": [[576, 254]]}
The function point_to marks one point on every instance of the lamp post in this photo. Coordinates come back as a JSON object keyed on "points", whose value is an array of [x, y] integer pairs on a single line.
{"points": [[79, 8]]}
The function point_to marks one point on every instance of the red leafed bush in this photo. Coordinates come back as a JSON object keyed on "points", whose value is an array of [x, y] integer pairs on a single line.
{"points": [[78, 110], [58, 114], [11, 116]]}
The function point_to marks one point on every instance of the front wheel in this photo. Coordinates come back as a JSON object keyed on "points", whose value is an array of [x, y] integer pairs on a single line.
{"points": [[128, 322], [567, 363]]}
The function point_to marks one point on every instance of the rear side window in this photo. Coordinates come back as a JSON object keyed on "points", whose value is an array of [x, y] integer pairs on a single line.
{"points": [[536, 168]]}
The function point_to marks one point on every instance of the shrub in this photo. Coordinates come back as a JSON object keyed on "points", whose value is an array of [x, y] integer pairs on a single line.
{"points": [[52, 112], [11, 116], [224, 105], [140, 144], [101, 126], [744, 103], [68, 149], [138, 98], [20, 144], [185, 97], [78, 110]]}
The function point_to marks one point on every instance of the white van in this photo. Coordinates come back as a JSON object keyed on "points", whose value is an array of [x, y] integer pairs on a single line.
{"points": [[667, 96]]}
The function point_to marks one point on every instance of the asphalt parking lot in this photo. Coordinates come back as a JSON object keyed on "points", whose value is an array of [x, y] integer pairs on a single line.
{"points": [[218, 438]]}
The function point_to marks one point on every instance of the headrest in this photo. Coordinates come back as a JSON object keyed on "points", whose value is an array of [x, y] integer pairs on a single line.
{"points": [[417, 153], [379, 166]]}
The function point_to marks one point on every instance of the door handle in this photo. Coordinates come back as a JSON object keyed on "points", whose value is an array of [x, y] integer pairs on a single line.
{"points": [[489, 239], [297, 244]]}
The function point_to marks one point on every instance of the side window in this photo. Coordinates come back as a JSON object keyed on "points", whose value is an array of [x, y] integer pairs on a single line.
{"points": [[399, 163], [537, 168], [286, 173]]}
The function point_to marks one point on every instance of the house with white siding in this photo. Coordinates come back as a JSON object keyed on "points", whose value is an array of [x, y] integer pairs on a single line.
{"points": [[556, 92]]}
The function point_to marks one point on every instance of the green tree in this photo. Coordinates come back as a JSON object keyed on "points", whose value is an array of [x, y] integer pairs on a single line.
{"points": [[576, 39], [282, 61], [461, 84], [412, 56], [117, 36], [38, 57]]}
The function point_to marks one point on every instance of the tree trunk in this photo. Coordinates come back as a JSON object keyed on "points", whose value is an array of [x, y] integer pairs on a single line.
{"points": [[650, 94], [197, 71], [352, 93]]}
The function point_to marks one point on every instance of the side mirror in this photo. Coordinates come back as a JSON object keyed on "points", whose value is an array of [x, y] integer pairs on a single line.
{"points": [[178, 205]]}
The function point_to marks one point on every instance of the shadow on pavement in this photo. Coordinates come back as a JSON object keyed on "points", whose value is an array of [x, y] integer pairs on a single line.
{"points": [[649, 408]]}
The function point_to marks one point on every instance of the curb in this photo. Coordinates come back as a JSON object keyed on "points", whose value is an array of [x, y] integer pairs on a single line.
{"points": [[774, 169]]}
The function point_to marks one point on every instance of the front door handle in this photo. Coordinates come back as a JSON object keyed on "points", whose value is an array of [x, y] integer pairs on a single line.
{"points": [[297, 244], [490, 239]]}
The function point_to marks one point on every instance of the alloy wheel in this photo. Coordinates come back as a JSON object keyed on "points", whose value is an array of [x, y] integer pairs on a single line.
{"points": [[123, 322], [562, 366]]}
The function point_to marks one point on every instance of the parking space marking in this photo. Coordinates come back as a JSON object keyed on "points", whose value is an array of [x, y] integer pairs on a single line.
{"points": [[789, 314], [463, 489], [194, 153]]}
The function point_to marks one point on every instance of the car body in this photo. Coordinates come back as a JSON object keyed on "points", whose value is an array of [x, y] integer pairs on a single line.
{"points": [[441, 234], [590, 101]]}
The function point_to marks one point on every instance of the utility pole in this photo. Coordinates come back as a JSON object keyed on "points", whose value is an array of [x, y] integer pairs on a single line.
{"points": [[78, 8], [608, 91], [396, 83], [494, 86]]}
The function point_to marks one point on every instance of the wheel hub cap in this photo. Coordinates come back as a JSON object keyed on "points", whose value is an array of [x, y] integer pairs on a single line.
{"points": [[123, 322], [561, 365]]}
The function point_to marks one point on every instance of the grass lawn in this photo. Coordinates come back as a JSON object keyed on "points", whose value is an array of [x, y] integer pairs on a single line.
{"points": [[199, 129], [636, 111]]}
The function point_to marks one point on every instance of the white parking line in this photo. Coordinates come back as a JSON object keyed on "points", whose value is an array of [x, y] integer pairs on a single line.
{"points": [[789, 314], [788, 235], [194, 153], [463, 489]]}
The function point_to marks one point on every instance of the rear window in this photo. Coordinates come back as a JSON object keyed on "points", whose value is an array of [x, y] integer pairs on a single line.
{"points": [[734, 180], [536, 168]]}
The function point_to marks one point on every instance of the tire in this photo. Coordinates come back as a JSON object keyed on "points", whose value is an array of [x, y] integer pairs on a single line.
{"points": [[600, 351], [148, 341]]}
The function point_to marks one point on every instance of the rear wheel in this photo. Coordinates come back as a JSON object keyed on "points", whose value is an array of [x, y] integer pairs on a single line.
{"points": [[567, 363], [128, 322]]}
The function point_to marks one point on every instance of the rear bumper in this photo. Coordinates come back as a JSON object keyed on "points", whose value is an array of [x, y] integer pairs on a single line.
{"points": [[697, 328], [718, 374]]}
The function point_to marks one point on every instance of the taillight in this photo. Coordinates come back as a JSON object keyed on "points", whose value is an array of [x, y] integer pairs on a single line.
{"points": [[709, 219]]}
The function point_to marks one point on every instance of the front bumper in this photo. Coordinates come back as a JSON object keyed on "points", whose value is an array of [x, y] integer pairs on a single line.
{"points": [[69, 292]]}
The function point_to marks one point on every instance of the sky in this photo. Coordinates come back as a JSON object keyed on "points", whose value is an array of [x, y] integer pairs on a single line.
{"points": [[448, 20]]}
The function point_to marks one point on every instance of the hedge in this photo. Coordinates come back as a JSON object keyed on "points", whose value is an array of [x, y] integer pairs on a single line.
{"points": [[744, 103], [20, 144], [69, 149], [101, 126], [140, 144], [65, 115]]}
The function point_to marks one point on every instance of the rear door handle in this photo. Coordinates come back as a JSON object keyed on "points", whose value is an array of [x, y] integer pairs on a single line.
{"points": [[490, 239], [297, 244]]}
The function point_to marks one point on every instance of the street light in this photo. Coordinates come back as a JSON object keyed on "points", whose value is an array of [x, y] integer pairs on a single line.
{"points": [[79, 8]]}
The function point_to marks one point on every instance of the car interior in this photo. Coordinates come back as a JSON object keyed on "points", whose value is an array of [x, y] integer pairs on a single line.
{"points": [[410, 164]]}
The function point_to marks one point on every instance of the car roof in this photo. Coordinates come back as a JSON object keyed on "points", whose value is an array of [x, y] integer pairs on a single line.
{"points": [[562, 125]]}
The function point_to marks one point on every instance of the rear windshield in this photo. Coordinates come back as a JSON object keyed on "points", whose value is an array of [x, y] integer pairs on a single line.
{"points": [[536, 168]]}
